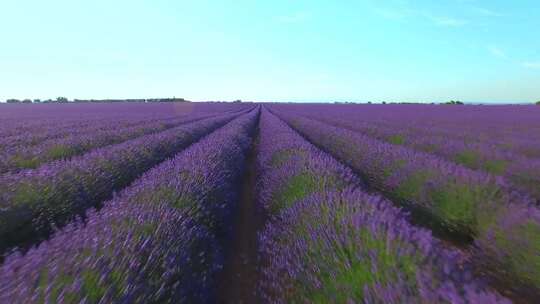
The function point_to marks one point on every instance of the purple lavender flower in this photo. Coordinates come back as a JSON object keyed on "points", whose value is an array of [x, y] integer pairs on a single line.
{"points": [[329, 242], [158, 241], [32, 201]]}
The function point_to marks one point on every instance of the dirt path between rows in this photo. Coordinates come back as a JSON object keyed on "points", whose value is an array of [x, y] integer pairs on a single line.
{"points": [[238, 281]]}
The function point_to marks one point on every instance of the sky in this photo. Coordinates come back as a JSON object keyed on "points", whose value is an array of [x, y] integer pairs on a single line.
{"points": [[300, 51]]}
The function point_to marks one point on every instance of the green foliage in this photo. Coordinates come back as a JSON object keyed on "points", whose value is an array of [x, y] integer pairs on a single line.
{"points": [[56, 286], [456, 205], [527, 180], [281, 157], [429, 147], [538, 103], [92, 288], [466, 208], [59, 152], [495, 166], [397, 139], [163, 194], [396, 165], [144, 229], [298, 187], [412, 187], [471, 159], [454, 102], [27, 194], [342, 271], [118, 280], [522, 258], [61, 282], [24, 162], [468, 158], [42, 285], [349, 271], [529, 263]]}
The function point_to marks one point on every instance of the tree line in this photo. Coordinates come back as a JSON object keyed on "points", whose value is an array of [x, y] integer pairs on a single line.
{"points": [[66, 100]]}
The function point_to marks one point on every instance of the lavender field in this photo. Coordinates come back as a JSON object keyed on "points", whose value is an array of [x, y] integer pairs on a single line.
{"points": [[187, 202]]}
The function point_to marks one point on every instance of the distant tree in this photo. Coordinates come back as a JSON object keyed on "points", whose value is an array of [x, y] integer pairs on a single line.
{"points": [[37, 100], [369, 102], [237, 101], [454, 102], [27, 101], [384, 102], [61, 99], [13, 100], [538, 103]]}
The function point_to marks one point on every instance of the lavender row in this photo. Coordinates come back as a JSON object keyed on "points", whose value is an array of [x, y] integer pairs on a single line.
{"points": [[51, 130], [455, 195], [505, 226], [329, 242], [48, 130], [69, 130], [17, 158], [39, 118], [157, 242], [514, 129], [469, 150], [33, 201]]}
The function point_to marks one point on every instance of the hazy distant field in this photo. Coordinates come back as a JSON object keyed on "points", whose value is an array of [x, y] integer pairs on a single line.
{"points": [[269, 203]]}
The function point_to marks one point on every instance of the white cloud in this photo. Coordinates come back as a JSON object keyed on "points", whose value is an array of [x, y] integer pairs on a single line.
{"points": [[297, 17], [531, 64], [487, 12], [392, 14], [497, 52], [446, 21], [408, 14]]}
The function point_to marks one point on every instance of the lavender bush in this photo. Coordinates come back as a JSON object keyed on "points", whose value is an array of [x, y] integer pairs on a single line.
{"points": [[33, 201], [349, 247], [156, 242], [458, 197], [18, 157], [465, 201], [329, 243], [471, 138]]}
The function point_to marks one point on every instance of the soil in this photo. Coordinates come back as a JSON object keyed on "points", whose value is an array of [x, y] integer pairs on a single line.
{"points": [[238, 281]]}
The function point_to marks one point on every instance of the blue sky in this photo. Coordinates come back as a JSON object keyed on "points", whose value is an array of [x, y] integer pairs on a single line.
{"points": [[480, 51]]}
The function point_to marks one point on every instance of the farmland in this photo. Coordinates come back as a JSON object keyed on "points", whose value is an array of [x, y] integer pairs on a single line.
{"points": [[185, 202]]}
